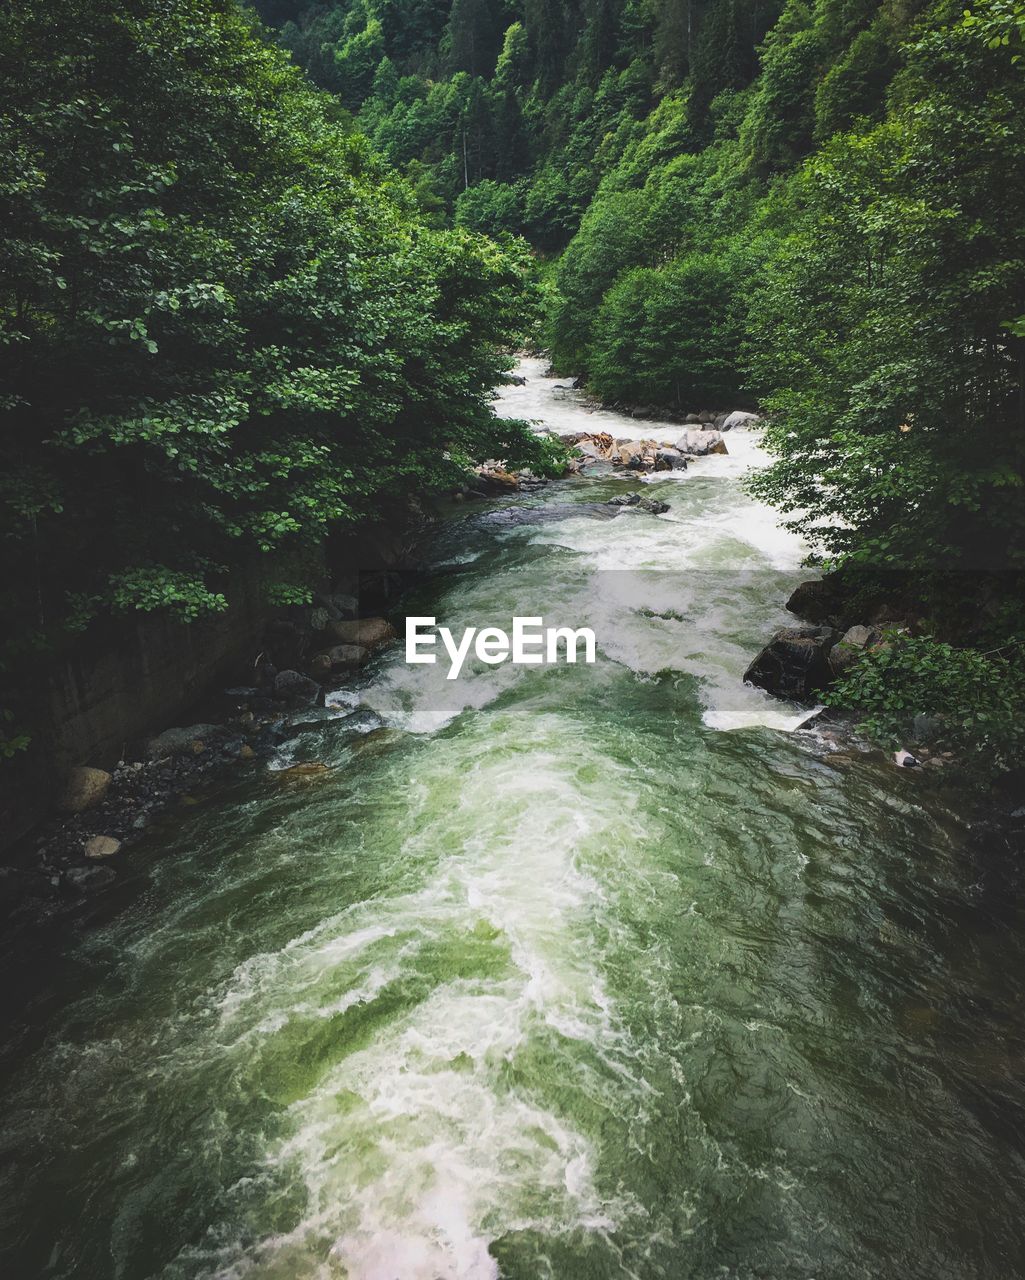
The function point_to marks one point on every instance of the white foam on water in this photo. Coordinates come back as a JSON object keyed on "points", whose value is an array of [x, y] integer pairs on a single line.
{"points": [[421, 698], [424, 1144], [454, 1159], [716, 556], [342, 699]]}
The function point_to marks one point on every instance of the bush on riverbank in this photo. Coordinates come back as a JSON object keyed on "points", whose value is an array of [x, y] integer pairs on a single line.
{"points": [[972, 702]]}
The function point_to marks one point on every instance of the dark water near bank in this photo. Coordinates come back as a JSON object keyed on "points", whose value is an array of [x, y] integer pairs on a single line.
{"points": [[573, 972]]}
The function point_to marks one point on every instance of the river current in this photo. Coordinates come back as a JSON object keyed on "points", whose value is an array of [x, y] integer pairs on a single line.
{"points": [[555, 973]]}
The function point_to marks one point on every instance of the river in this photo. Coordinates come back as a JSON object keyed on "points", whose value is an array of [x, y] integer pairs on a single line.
{"points": [[570, 972]]}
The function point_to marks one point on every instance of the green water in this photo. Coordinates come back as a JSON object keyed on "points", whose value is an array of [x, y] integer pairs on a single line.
{"points": [[564, 972]]}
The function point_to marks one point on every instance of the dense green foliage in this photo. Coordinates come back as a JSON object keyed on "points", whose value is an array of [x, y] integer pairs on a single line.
{"points": [[507, 113], [675, 329], [973, 701], [890, 362], [224, 327]]}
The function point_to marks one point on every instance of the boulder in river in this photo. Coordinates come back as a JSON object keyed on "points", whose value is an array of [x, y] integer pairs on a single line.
{"points": [[631, 454], [85, 788], [819, 600], [849, 648], [842, 598], [340, 657], [294, 687], [739, 418], [701, 443], [589, 450], [652, 505], [795, 663], [669, 459], [598, 446], [370, 633]]}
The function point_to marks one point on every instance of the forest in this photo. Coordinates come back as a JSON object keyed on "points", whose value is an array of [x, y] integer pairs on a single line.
{"points": [[816, 206], [238, 308], [683, 338]]}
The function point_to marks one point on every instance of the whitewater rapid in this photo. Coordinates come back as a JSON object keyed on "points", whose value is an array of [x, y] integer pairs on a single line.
{"points": [[568, 972]]}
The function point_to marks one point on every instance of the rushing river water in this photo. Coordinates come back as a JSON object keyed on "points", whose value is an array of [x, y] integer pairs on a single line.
{"points": [[558, 972]]}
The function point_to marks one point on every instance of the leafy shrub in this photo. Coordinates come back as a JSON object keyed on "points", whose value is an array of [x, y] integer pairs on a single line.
{"points": [[671, 336], [976, 699], [490, 207], [549, 457]]}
